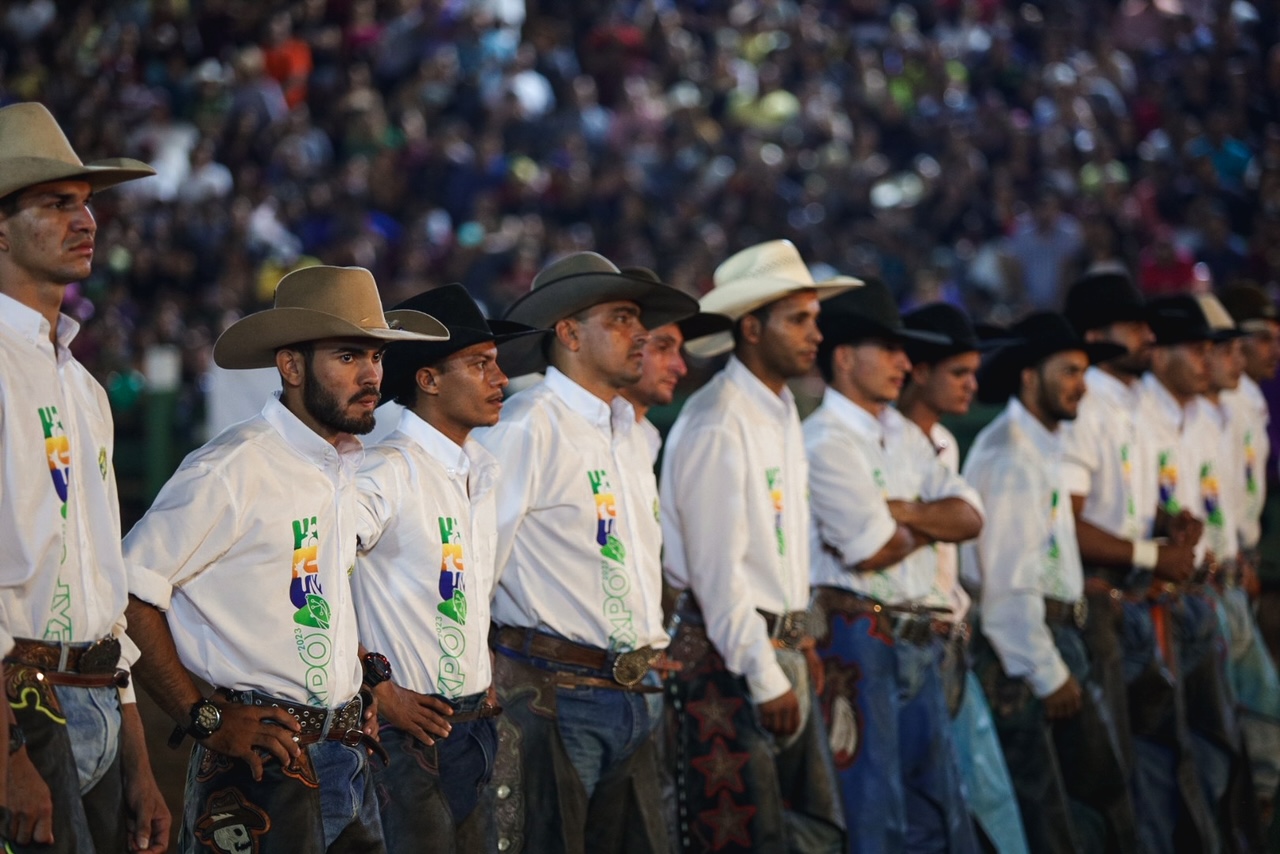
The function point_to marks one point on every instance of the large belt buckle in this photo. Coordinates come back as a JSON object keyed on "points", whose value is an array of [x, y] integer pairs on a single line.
{"points": [[102, 656], [630, 667], [1080, 613], [792, 628]]}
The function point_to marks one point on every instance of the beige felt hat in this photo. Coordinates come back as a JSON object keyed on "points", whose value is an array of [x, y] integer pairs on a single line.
{"points": [[311, 304], [755, 277], [583, 279], [34, 150]]}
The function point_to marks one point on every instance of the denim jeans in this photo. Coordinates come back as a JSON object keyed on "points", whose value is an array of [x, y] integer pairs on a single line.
{"points": [[891, 741], [601, 728], [986, 777], [323, 804]]}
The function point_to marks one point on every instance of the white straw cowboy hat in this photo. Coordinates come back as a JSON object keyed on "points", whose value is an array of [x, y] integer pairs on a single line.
{"points": [[583, 279], [311, 304], [755, 277], [34, 150]]}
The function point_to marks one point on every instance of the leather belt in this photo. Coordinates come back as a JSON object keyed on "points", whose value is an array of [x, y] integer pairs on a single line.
{"points": [[76, 665], [318, 723], [789, 630], [913, 623], [1060, 613], [480, 712], [625, 668]]}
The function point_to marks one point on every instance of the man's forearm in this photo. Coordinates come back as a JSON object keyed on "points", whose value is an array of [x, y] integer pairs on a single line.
{"points": [[159, 671], [947, 520]]}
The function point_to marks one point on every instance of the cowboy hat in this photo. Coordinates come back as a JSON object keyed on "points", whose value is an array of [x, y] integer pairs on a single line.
{"points": [[454, 307], [1188, 319], [951, 323], [1030, 341], [1250, 307], [755, 277], [578, 281], [1101, 299], [34, 150], [310, 304], [869, 312], [691, 328]]}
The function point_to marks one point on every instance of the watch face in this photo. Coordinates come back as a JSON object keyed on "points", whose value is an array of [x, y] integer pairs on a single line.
{"points": [[376, 668], [207, 717]]}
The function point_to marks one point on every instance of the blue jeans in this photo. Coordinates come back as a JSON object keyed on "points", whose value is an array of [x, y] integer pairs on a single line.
{"points": [[891, 740], [986, 777], [601, 728]]}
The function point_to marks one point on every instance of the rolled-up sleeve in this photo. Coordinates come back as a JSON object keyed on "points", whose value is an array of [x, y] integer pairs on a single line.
{"points": [[848, 506]]}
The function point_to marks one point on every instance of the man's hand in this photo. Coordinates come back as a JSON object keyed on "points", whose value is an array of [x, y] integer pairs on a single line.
{"points": [[30, 803], [1176, 562], [1185, 528], [246, 730], [149, 817], [419, 715], [1065, 702], [781, 715], [369, 716], [903, 512]]}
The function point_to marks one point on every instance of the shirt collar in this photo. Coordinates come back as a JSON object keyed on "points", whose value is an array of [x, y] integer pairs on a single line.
{"points": [[1251, 392], [309, 444], [618, 416], [1044, 441], [778, 405], [439, 446], [30, 324], [1169, 408], [853, 416], [1104, 385]]}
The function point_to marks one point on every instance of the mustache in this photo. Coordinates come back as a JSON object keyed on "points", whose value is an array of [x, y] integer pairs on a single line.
{"points": [[367, 393]]}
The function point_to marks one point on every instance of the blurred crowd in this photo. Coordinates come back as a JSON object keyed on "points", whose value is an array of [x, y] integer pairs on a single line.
{"points": [[980, 151]]}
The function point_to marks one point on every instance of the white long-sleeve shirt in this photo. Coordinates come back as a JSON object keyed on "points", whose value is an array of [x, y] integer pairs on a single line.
{"points": [[947, 591], [857, 463], [578, 546], [1107, 459], [62, 576], [1174, 452], [424, 573], [250, 547], [1027, 550], [735, 517], [1249, 414], [1219, 479]]}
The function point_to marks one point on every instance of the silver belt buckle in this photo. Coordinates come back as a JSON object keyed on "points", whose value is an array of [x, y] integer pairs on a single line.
{"points": [[630, 667], [1080, 613]]}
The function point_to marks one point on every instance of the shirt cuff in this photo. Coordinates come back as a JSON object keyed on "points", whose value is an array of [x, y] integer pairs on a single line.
{"points": [[868, 541], [151, 587], [769, 685], [1049, 678], [6, 642]]}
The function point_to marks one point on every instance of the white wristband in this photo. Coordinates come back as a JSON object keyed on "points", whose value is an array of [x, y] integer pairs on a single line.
{"points": [[1146, 553]]}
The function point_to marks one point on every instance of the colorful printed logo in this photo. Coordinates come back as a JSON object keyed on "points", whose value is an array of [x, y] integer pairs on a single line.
{"points": [[774, 477], [1055, 550], [57, 450], [1250, 464], [304, 589], [453, 596], [1168, 483], [1209, 494], [613, 568]]}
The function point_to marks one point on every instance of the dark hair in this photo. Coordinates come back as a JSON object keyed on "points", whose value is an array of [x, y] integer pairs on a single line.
{"points": [[761, 314]]}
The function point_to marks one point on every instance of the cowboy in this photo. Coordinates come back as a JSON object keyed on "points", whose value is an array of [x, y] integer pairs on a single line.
{"points": [[1111, 481], [577, 613], [664, 364], [1189, 508], [942, 383], [239, 574], [83, 781], [1029, 652], [879, 497], [427, 490], [753, 770]]}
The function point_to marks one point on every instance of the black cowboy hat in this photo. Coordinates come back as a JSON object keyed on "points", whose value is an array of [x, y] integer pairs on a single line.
{"points": [[943, 319], [583, 279], [868, 312], [519, 346], [1028, 343], [1249, 306], [1101, 299], [1188, 318]]}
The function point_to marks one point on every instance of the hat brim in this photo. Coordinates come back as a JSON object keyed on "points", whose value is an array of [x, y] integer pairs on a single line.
{"points": [[403, 361], [545, 306], [1000, 374], [750, 294], [23, 172], [252, 341]]}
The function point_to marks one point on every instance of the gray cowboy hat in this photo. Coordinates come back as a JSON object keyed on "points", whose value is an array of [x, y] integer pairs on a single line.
{"points": [[311, 304], [34, 150]]}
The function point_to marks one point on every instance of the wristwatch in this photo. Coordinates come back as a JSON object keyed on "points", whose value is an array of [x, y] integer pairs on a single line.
{"points": [[206, 718], [376, 669], [17, 738]]}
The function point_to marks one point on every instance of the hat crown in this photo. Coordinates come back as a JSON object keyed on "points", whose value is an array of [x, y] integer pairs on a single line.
{"points": [[777, 259], [30, 130], [1249, 302], [944, 319], [1101, 299], [346, 292], [451, 304], [873, 301], [576, 264]]}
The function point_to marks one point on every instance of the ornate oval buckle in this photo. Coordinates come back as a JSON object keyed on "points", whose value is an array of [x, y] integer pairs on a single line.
{"points": [[630, 667], [1080, 612]]}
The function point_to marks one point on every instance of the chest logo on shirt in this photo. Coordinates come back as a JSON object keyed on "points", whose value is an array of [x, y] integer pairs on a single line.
{"points": [[614, 578], [453, 595], [1168, 483], [774, 478], [1250, 464], [1210, 495], [1054, 550], [304, 589], [57, 450]]}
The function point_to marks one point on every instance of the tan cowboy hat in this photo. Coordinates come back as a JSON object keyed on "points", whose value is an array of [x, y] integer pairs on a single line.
{"points": [[34, 150], [755, 277], [583, 279], [311, 304]]}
